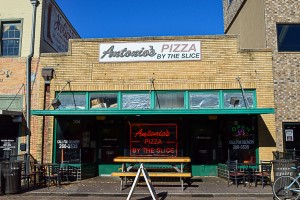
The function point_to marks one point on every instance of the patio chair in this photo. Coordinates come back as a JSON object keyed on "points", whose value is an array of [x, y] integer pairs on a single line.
{"points": [[264, 176], [53, 175], [236, 174]]}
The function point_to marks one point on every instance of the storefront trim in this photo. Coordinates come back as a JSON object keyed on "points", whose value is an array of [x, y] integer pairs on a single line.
{"points": [[155, 112]]}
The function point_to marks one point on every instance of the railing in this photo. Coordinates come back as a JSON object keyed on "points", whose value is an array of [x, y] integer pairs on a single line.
{"points": [[222, 170]]}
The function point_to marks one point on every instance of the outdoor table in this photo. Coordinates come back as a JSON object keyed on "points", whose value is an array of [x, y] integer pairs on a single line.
{"points": [[128, 163], [132, 160]]}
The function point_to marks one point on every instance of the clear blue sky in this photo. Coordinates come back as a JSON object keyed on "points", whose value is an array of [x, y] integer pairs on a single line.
{"points": [[135, 18]]}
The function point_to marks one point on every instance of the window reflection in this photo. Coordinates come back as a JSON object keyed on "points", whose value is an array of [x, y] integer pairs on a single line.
{"points": [[288, 37], [72, 101], [204, 100], [135, 101], [247, 102]]}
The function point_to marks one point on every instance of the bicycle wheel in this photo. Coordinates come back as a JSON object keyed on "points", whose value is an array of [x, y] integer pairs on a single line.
{"points": [[283, 190]]}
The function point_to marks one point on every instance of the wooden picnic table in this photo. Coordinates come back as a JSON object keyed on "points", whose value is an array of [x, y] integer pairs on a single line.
{"points": [[128, 163]]}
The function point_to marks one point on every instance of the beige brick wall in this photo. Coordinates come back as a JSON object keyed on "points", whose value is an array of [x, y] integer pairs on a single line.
{"points": [[286, 65], [286, 68], [222, 62]]}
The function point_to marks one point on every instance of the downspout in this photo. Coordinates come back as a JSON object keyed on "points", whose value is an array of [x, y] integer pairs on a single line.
{"points": [[34, 3]]}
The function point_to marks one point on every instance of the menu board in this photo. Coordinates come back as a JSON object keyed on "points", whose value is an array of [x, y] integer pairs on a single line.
{"points": [[153, 140]]}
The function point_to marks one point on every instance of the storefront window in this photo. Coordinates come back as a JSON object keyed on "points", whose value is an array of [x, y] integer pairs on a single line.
{"points": [[169, 100], [135, 101], [236, 99], [75, 140], [241, 140], [72, 101], [204, 100], [104, 100]]}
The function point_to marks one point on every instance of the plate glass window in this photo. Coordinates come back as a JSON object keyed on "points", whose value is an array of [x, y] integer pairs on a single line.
{"points": [[200, 100], [104, 100], [288, 37], [237, 100], [169, 100], [10, 39], [72, 101], [136, 101]]}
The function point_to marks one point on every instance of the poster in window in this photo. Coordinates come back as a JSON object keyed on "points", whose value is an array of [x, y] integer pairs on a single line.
{"points": [[289, 135]]}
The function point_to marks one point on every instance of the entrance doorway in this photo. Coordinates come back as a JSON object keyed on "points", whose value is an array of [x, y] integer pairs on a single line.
{"points": [[291, 138]]}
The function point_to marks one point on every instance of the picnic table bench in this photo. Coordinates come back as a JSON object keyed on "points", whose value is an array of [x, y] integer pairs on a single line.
{"points": [[175, 163]]}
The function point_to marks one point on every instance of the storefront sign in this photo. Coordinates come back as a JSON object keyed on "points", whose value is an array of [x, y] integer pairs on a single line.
{"points": [[7, 145], [57, 29], [153, 140], [242, 138], [150, 51], [68, 144]]}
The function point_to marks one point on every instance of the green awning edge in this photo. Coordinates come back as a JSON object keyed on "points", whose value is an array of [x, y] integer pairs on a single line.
{"points": [[155, 112]]}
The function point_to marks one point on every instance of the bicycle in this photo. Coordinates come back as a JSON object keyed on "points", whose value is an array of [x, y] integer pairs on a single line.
{"points": [[287, 187]]}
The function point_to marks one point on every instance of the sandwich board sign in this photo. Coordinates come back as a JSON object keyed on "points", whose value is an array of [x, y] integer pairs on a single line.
{"points": [[148, 181]]}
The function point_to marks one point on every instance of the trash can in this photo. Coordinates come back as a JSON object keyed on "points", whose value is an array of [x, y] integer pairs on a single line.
{"points": [[284, 167], [12, 176]]}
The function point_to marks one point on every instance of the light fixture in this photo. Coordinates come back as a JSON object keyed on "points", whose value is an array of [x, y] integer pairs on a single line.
{"points": [[47, 74], [234, 101], [56, 103]]}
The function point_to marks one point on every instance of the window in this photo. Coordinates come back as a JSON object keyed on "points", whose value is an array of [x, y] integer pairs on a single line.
{"points": [[288, 37], [72, 101], [104, 100], [10, 38], [229, 2], [169, 100], [238, 100], [136, 101], [204, 100]]}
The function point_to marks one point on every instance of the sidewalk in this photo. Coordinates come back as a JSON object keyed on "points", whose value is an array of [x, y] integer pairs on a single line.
{"points": [[110, 186]]}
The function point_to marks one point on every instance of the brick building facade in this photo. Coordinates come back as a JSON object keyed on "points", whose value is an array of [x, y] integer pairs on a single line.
{"points": [[16, 24], [270, 24], [204, 133]]}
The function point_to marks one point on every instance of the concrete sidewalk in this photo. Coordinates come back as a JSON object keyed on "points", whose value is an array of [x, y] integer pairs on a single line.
{"points": [[102, 186]]}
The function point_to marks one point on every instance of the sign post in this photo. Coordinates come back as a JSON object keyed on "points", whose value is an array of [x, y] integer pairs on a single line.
{"points": [[147, 179]]}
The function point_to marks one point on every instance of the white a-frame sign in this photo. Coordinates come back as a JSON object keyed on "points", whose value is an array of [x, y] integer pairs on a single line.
{"points": [[147, 179]]}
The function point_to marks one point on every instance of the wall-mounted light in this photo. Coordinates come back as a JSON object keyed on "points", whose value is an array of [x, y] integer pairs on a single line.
{"points": [[47, 74], [234, 101], [56, 103]]}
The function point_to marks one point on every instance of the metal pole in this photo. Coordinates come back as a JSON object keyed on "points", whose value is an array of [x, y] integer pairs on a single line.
{"points": [[243, 92], [34, 3]]}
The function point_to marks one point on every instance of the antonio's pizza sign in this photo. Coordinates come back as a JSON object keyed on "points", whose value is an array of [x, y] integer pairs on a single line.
{"points": [[153, 140]]}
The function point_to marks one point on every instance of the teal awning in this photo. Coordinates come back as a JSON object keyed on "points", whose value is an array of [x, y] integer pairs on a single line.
{"points": [[155, 112]]}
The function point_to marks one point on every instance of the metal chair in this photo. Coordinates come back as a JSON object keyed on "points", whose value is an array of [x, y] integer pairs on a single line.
{"points": [[235, 173], [53, 174], [264, 176]]}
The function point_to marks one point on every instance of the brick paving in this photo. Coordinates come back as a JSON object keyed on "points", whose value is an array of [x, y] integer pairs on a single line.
{"points": [[110, 186]]}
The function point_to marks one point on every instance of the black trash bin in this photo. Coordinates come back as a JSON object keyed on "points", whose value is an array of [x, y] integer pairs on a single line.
{"points": [[11, 171], [284, 167]]}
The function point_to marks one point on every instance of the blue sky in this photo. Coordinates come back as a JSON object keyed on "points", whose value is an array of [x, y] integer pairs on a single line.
{"points": [[138, 18]]}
